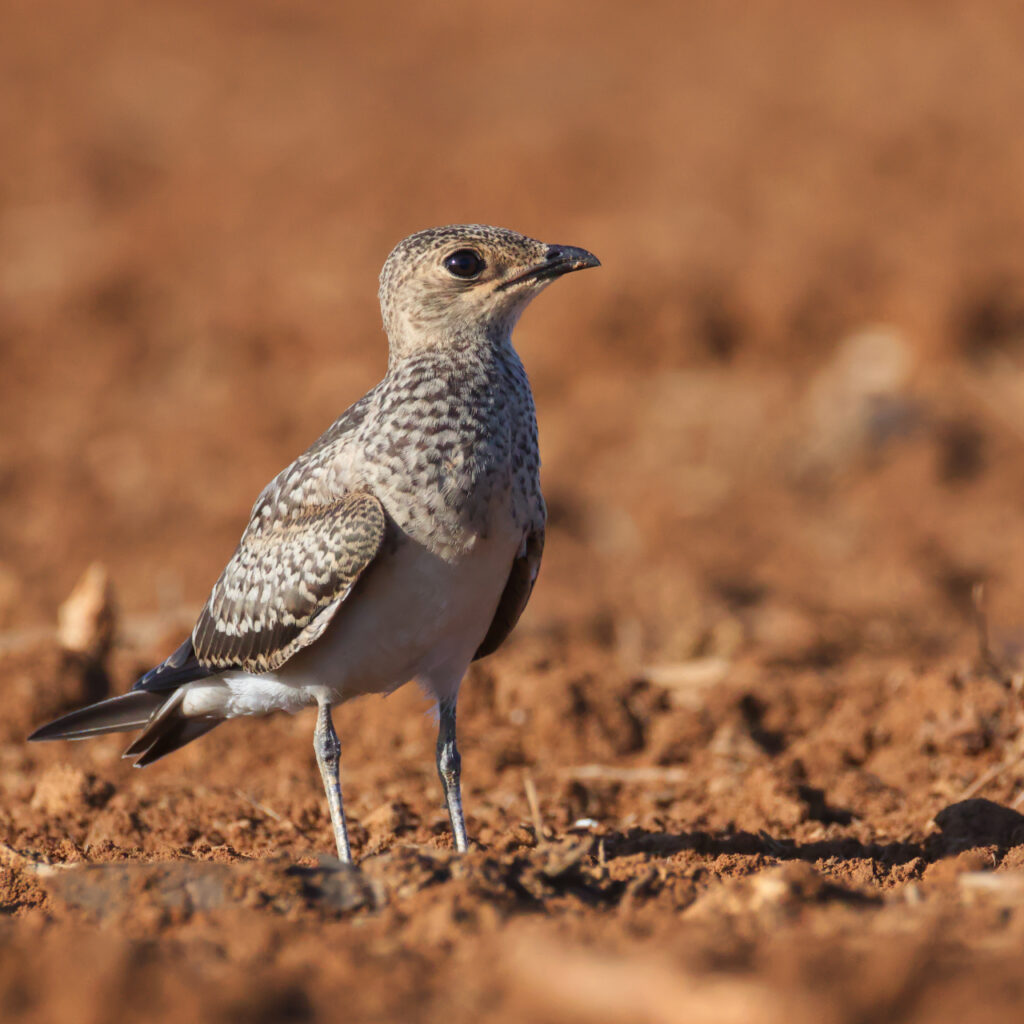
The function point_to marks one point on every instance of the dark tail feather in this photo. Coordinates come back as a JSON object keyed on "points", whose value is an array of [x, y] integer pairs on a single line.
{"points": [[167, 730], [174, 732], [181, 667], [118, 714], [168, 711], [158, 714]]}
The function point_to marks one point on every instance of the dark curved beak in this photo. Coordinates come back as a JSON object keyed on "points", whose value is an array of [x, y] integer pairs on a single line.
{"points": [[558, 260]]}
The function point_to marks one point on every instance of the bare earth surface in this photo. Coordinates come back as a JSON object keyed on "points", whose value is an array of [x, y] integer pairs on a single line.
{"points": [[745, 759]]}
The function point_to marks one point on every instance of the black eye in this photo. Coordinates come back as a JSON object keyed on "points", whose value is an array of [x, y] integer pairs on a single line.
{"points": [[464, 263]]}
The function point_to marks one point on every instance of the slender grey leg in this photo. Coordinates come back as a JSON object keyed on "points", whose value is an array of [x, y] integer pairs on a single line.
{"points": [[328, 752], [449, 767]]}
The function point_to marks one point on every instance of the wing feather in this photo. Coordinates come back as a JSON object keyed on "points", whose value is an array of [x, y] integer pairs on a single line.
{"points": [[516, 594], [285, 581]]}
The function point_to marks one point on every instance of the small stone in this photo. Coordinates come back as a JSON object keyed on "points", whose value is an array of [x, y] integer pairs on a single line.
{"points": [[977, 823], [87, 620], [858, 402]]}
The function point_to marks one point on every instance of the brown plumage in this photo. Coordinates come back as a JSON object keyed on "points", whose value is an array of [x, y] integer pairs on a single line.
{"points": [[404, 543], [291, 571]]}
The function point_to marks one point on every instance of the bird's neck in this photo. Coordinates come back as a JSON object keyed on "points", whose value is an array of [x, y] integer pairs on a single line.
{"points": [[452, 352]]}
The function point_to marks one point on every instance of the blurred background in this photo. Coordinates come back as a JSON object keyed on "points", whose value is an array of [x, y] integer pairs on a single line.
{"points": [[799, 371], [782, 426]]}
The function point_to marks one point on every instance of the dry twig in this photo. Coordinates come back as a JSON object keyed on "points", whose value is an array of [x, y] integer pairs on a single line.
{"points": [[534, 804]]}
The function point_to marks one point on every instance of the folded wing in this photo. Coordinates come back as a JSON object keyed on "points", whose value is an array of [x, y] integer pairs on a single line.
{"points": [[288, 577], [516, 594]]}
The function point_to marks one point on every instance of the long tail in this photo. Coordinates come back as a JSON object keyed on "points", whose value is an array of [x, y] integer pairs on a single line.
{"points": [[157, 713], [125, 713]]}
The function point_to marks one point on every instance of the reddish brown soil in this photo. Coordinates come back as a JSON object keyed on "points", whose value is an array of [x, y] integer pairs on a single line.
{"points": [[782, 431]]}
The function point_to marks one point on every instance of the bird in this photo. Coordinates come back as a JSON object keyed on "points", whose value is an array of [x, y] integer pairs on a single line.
{"points": [[401, 546]]}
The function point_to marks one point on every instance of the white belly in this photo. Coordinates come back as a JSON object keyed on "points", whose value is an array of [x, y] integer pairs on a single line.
{"points": [[415, 616]]}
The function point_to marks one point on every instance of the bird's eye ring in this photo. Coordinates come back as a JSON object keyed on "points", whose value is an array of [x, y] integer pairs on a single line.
{"points": [[464, 263]]}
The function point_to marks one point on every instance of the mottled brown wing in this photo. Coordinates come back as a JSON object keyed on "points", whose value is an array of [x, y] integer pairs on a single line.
{"points": [[285, 581], [515, 595]]}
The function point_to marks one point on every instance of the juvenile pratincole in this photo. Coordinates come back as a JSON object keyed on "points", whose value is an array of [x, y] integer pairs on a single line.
{"points": [[402, 545]]}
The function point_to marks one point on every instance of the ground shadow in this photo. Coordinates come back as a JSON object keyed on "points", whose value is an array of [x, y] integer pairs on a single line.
{"points": [[962, 826]]}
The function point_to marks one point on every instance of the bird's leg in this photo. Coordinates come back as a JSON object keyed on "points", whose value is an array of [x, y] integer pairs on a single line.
{"points": [[328, 752], [449, 767]]}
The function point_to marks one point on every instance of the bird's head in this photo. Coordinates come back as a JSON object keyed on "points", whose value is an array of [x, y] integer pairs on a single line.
{"points": [[448, 283]]}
